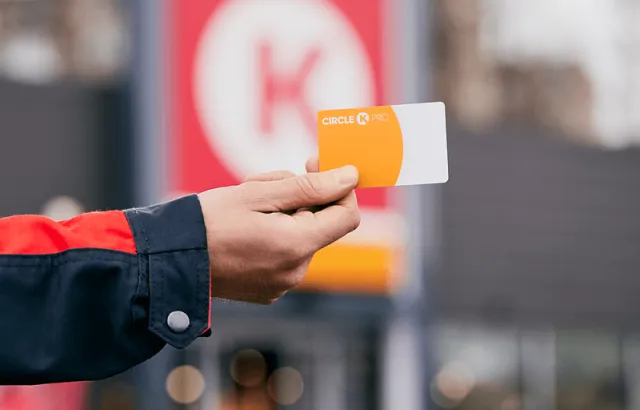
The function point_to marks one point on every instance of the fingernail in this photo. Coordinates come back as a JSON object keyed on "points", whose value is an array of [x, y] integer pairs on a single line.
{"points": [[348, 175]]}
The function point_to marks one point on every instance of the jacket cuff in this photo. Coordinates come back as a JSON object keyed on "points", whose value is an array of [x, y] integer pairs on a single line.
{"points": [[172, 243]]}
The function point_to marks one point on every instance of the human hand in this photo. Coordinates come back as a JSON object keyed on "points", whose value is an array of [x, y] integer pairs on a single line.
{"points": [[263, 233]]}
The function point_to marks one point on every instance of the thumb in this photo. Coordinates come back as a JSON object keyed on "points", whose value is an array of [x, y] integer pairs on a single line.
{"points": [[308, 190]]}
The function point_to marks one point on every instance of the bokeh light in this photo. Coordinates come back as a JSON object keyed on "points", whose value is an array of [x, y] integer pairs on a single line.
{"points": [[455, 381], [286, 386], [62, 207], [185, 384], [248, 368]]}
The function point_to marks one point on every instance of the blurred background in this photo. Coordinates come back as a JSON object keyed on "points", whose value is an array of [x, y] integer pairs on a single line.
{"points": [[512, 287]]}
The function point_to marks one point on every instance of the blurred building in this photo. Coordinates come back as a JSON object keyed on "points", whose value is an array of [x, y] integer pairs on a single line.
{"points": [[49, 40], [66, 138], [570, 68], [534, 301]]}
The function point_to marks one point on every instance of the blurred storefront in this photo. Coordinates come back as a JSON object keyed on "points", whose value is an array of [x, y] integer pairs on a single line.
{"points": [[66, 132], [64, 107], [505, 367], [534, 303]]}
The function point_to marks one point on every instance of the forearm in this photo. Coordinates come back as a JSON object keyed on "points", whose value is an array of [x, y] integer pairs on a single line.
{"points": [[90, 297]]}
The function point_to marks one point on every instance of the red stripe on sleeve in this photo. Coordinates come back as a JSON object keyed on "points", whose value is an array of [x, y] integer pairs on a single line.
{"points": [[38, 235], [209, 317]]}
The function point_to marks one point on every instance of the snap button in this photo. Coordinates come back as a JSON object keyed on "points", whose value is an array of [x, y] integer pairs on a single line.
{"points": [[178, 321]]}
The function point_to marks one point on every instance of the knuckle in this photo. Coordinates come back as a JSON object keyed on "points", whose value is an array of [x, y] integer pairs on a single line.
{"points": [[298, 276], [304, 251], [292, 256], [292, 279], [354, 219], [310, 188]]}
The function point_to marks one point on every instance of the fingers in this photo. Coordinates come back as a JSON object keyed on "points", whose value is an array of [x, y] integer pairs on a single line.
{"points": [[303, 191], [270, 176], [312, 165], [331, 223]]}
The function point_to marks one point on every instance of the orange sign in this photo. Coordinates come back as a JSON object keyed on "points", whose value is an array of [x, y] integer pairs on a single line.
{"points": [[247, 80]]}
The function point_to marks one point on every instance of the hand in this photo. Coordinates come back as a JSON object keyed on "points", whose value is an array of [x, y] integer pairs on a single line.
{"points": [[262, 234]]}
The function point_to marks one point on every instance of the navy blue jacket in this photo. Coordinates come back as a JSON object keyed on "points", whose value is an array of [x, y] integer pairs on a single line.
{"points": [[90, 297]]}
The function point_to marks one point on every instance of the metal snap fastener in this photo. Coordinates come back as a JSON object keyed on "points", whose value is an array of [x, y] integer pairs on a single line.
{"points": [[178, 321]]}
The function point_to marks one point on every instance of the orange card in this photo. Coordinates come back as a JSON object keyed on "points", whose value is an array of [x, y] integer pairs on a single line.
{"points": [[390, 145]]}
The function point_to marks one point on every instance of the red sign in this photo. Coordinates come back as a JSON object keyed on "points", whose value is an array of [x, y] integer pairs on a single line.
{"points": [[65, 396], [246, 80]]}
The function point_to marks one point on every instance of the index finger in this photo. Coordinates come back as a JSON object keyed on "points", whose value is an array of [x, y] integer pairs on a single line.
{"points": [[331, 223], [270, 176]]}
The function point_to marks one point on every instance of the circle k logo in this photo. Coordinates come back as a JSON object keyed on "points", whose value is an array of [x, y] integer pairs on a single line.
{"points": [[362, 118]]}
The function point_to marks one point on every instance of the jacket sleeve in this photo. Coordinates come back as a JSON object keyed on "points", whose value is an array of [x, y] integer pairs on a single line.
{"points": [[93, 296]]}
